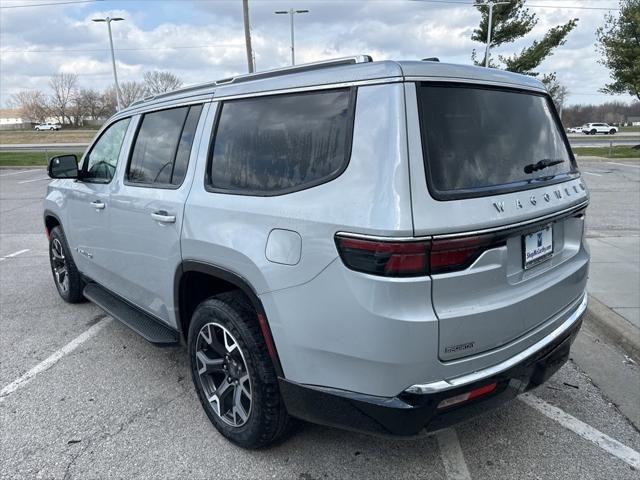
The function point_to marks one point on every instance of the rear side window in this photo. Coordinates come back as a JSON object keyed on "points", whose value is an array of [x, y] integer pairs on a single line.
{"points": [[479, 141], [282, 143], [161, 150]]}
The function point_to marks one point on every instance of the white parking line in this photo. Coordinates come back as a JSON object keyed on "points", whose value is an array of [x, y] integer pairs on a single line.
{"points": [[18, 173], [596, 174], [455, 466], [14, 254], [614, 447], [35, 180], [53, 359], [624, 164]]}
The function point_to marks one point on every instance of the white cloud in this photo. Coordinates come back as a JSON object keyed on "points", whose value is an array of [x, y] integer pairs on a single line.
{"points": [[63, 39]]}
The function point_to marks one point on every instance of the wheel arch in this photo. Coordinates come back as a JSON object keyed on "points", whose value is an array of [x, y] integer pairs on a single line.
{"points": [[208, 280], [51, 220]]}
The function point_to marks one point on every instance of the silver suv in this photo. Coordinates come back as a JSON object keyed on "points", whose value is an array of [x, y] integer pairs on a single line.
{"points": [[382, 246]]}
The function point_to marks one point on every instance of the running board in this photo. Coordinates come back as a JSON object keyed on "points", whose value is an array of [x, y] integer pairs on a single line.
{"points": [[143, 324]]}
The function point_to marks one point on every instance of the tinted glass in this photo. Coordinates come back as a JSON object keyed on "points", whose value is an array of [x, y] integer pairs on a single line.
{"points": [[279, 143], [156, 145], [100, 164], [478, 138], [184, 147]]}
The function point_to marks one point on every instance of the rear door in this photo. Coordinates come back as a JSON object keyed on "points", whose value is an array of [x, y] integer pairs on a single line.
{"points": [[495, 183], [147, 207]]}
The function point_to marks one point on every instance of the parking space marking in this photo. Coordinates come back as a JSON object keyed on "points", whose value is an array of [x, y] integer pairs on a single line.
{"points": [[455, 466], [610, 445], [624, 164], [14, 254], [53, 359], [18, 173], [596, 174], [34, 180]]}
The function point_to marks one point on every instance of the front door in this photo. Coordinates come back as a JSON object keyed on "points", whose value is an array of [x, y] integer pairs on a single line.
{"points": [[88, 202]]}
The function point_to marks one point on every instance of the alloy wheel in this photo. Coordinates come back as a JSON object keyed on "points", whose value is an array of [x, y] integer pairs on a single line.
{"points": [[223, 374], [59, 265]]}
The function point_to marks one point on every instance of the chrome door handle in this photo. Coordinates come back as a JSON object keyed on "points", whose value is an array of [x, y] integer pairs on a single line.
{"points": [[163, 217], [98, 205]]}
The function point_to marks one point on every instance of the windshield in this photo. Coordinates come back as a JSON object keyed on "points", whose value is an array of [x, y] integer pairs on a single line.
{"points": [[480, 140]]}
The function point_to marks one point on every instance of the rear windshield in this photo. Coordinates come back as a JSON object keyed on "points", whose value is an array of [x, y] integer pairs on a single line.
{"points": [[480, 140]]}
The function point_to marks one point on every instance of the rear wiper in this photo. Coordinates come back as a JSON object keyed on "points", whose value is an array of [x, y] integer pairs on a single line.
{"points": [[544, 163]]}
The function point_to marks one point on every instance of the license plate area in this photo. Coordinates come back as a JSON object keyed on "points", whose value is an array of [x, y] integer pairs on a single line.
{"points": [[537, 246]]}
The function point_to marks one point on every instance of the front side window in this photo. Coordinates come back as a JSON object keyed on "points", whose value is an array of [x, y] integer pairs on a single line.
{"points": [[479, 140], [101, 162], [162, 146], [277, 144]]}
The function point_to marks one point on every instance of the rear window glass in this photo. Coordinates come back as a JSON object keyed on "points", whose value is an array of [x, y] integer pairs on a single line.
{"points": [[478, 140], [281, 143]]}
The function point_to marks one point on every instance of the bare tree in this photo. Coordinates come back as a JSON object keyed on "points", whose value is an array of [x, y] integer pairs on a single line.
{"points": [[131, 91], [160, 82], [32, 105], [63, 87]]}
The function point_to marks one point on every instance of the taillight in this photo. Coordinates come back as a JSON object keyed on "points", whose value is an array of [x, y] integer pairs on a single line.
{"points": [[389, 259], [468, 396], [414, 258]]}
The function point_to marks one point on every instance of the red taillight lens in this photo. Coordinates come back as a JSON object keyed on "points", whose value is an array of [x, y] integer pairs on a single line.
{"points": [[468, 396], [389, 259], [449, 255], [414, 258]]}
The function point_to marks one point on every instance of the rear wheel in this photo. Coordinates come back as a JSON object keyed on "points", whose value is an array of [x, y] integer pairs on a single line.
{"points": [[65, 273], [234, 377], [612, 131], [593, 132]]}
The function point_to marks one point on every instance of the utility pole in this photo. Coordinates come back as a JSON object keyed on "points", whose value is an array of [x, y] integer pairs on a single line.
{"points": [[247, 34], [108, 21], [489, 27], [291, 13]]}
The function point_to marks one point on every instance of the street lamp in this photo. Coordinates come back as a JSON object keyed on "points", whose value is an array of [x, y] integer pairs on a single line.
{"points": [[489, 25], [291, 12], [108, 21]]}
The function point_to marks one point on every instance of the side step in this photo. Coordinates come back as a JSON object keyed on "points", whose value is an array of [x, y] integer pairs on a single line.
{"points": [[140, 322]]}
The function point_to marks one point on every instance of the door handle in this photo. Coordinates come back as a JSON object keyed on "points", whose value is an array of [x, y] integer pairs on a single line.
{"points": [[163, 217], [98, 205]]}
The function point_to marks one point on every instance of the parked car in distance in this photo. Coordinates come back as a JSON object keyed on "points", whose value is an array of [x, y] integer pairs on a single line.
{"points": [[595, 128], [382, 246], [575, 129], [47, 126]]}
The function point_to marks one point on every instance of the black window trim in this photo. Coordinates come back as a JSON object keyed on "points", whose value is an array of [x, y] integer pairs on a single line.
{"points": [[161, 186], [298, 188], [461, 194], [92, 146]]}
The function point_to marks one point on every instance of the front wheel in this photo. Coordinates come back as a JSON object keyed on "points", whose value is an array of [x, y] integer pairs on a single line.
{"points": [[233, 374], [612, 131], [65, 273]]}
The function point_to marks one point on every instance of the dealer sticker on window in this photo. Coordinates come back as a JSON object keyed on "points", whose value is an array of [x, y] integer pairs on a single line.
{"points": [[538, 246]]}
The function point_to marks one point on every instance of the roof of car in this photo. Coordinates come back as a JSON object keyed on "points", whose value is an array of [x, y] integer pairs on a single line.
{"points": [[335, 72]]}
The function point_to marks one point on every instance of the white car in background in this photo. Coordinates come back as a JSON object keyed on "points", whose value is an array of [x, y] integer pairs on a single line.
{"points": [[575, 129], [594, 128], [47, 126]]}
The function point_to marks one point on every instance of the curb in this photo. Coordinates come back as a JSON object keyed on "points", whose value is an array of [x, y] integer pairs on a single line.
{"points": [[602, 320]]}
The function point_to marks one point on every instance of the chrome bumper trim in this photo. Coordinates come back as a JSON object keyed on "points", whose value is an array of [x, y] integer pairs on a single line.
{"points": [[442, 385]]}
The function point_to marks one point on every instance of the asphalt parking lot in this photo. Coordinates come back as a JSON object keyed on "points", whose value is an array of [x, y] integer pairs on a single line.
{"points": [[82, 396]]}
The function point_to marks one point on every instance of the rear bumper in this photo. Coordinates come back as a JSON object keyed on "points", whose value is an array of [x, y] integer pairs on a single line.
{"points": [[410, 413]]}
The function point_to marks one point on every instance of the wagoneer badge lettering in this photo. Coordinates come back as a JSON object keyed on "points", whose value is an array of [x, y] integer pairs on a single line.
{"points": [[499, 206]]}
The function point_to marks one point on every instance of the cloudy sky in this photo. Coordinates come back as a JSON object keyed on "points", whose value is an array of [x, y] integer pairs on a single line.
{"points": [[203, 40]]}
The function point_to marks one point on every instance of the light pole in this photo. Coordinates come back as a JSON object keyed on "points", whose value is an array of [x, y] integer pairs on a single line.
{"points": [[108, 21], [489, 25], [291, 12]]}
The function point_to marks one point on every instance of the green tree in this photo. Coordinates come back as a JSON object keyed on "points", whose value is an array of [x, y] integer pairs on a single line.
{"points": [[511, 22], [619, 43]]}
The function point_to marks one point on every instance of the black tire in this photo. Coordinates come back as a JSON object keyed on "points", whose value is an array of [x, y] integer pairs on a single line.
{"points": [[267, 420], [65, 273], [612, 131], [593, 132]]}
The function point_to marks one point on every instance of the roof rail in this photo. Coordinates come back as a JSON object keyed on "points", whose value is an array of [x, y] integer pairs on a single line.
{"points": [[304, 67]]}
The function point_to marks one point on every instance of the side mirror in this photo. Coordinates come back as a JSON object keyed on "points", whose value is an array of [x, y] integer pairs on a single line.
{"points": [[63, 166]]}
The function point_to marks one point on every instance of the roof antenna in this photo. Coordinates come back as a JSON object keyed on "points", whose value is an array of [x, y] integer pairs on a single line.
{"points": [[431, 59]]}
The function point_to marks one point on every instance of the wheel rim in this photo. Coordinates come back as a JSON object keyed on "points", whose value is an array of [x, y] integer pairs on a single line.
{"points": [[223, 374], [59, 266]]}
